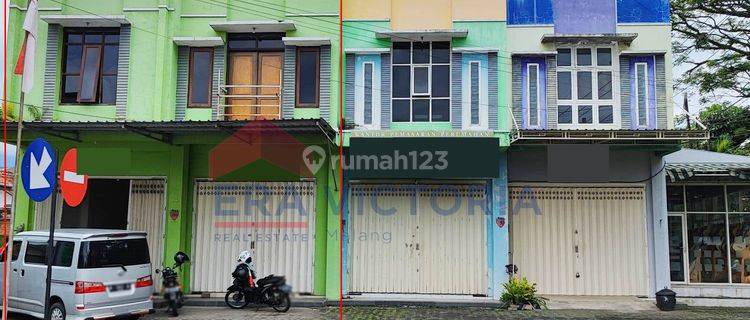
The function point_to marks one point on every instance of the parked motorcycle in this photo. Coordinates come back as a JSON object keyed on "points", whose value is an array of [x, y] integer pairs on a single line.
{"points": [[171, 285], [271, 290]]}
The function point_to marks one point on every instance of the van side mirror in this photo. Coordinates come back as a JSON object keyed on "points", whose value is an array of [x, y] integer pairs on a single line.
{"points": [[157, 271]]}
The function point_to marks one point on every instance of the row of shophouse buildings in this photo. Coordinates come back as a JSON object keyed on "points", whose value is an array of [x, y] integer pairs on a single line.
{"points": [[475, 134]]}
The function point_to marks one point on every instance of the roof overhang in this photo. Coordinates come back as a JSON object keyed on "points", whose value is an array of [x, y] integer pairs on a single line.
{"points": [[164, 130], [685, 171], [641, 137], [306, 41], [198, 41], [85, 21], [254, 26], [423, 35], [624, 38]]}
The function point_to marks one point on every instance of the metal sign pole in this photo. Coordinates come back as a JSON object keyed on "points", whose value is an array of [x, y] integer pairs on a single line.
{"points": [[50, 255]]}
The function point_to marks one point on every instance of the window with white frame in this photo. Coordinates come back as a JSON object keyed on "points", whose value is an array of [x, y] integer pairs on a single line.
{"points": [[367, 92], [367, 74], [474, 78], [641, 93], [532, 95], [709, 233], [421, 81], [586, 81]]}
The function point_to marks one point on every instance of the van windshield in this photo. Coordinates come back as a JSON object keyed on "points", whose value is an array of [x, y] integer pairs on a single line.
{"points": [[113, 253]]}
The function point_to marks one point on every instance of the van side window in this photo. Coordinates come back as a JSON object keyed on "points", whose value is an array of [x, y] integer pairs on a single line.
{"points": [[63, 253], [16, 250], [36, 253]]}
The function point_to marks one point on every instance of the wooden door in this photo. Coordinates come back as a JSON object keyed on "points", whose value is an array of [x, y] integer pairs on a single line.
{"points": [[242, 74], [269, 91]]}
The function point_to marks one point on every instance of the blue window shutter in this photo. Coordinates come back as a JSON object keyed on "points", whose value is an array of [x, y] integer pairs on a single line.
{"points": [[50, 98], [123, 67], [661, 93], [385, 92], [183, 62], [287, 100], [350, 87], [492, 89], [456, 91], [325, 82], [551, 92], [217, 82], [625, 93]]}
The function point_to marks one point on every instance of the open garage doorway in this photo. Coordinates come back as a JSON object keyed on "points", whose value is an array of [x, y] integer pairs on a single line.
{"points": [[137, 204], [104, 207]]}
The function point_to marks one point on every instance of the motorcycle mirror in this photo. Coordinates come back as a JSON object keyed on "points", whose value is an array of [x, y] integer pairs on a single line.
{"points": [[180, 258]]}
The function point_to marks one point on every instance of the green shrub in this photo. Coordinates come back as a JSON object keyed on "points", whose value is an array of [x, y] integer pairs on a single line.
{"points": [[521, 292]]}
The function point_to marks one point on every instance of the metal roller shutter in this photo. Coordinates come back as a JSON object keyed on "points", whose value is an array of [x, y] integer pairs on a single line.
{"points": [[436, 241], [147, 212], [580, 240], [228, 217]]}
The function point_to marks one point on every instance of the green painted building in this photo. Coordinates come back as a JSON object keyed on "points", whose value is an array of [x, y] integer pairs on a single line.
{"points": [[209, 124]]}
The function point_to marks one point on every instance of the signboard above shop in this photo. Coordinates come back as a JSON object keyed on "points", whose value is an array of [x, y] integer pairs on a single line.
{"points": [[422, 158]]}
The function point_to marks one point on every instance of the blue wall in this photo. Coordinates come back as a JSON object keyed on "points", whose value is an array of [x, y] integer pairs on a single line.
{"points": [[523, 12]]}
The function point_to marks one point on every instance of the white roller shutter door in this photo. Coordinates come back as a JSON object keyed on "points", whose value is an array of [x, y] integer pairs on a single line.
{"points": [[147, 212], [418, 239], [588, 240], [228, 217]]}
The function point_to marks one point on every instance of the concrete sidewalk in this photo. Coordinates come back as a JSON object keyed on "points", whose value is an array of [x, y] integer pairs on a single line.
{"points": [[441, 301]]}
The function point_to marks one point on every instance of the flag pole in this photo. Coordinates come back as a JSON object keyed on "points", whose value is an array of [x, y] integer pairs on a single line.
{"points": [[14, 190]]}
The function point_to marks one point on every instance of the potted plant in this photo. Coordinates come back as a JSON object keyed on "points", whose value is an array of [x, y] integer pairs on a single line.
{"points": [[521, 293]]}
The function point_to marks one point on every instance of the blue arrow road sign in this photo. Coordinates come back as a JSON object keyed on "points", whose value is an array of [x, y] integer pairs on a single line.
{"points": [[39, 170]]}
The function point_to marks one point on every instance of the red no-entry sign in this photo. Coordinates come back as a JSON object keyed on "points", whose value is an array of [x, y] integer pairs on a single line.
{"points": [[72, 184]]}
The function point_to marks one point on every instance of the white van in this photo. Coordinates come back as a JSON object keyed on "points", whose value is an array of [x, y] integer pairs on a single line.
{"points": [[96, 274]]}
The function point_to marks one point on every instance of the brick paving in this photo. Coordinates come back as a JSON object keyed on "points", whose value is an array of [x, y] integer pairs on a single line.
{"points": [[407, 313]]}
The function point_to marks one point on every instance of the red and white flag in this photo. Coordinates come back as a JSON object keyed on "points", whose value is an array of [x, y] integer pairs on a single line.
{"points": [[25, 62]]}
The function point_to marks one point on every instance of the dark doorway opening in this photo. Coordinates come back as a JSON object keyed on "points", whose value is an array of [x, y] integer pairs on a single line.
{"points": [[104, 207]]}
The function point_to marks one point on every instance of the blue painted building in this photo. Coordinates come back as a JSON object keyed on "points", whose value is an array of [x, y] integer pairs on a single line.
{"points": [[591, 102]]}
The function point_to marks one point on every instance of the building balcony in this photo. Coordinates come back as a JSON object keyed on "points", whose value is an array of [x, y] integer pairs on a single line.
{"points": [[250, 102]]}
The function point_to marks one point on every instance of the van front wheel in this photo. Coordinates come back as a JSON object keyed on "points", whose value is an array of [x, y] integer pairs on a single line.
{"points": [[57, 311]]}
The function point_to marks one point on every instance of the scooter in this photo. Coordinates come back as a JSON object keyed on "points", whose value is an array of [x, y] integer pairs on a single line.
{"points": [[171, 285], [271, 290]]}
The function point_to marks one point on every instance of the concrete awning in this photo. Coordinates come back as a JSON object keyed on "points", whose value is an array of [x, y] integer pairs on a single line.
{"points": [[475, 49], [625, 38], [687, 163], [367, 50], [642, 52], [85, 21], [254, 26], [533, 53], [306, 41], [198, 41], [423, 35]]}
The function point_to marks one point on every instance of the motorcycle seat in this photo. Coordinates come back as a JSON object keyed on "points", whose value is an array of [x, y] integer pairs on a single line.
{"points": [[271, 280]]}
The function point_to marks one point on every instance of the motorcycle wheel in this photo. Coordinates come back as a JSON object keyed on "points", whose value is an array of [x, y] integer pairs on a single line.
{"points": [[281, 302], [236, 299], [173, 307]]}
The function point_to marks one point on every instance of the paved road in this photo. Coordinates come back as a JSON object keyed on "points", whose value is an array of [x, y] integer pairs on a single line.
{"points": [[405, 313]]}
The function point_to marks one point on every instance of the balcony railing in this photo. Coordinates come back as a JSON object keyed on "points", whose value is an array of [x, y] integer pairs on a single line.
{"points": [[250, 102]]}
